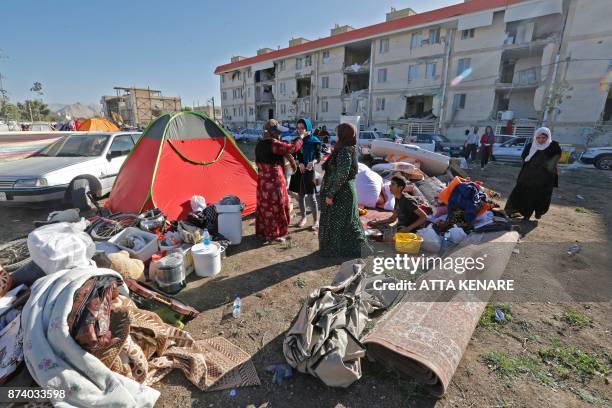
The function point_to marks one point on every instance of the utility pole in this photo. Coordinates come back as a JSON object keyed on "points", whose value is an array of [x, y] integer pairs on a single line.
{"points": [[213, 110]]}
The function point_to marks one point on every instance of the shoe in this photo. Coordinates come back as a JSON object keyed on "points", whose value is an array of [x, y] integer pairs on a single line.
{"points": [[538, 216], [315, 227], [302, 223], [281, 240]]}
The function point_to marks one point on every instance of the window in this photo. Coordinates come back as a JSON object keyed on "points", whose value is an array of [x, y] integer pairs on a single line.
{"points": [[325, 56], [324, 106], [382, 75], [281, 65], [122, 144], [240, 111], [413, 73], [463, 64], [223, 95], [459, 101], [299, 63], [383, 46], [430, 70], [238, 75], [251, 111], [380, 104], [283, 108], [234, 111], [416, 40], [308, 61], [527, 76], [325, 82], [434, 36], [465, 34], [283, 88], [249, 73], [222, 77]]}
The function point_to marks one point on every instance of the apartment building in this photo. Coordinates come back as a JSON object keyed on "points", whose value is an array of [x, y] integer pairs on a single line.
{"points": [[511, 64]]}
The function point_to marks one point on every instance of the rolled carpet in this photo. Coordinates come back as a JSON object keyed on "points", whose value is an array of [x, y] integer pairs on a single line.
{"points": [[426, 333]]}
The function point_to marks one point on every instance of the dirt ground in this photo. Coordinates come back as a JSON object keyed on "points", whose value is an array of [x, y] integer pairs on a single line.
{"points": [[272, 282]]}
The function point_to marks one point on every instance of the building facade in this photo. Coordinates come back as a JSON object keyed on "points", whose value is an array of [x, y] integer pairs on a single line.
{"points": [[511, 64], [138, 106]]}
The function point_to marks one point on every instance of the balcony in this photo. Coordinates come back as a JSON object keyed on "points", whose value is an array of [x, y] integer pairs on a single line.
{"points": [[357, 68], [523, 79]]}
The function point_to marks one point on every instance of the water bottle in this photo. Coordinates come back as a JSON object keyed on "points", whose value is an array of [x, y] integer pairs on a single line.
{"points": [[236, 308], [206, 237]]}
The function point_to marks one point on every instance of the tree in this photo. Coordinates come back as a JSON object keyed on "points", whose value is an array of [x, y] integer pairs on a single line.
{"points": [[35, 110], [10, 111], [186, 109]]}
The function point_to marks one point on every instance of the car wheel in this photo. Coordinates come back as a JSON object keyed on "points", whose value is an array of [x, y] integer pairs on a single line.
{"points": [[78, 195], [604, 162]]}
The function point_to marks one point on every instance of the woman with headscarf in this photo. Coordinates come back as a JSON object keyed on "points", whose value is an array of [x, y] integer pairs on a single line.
{"points": [[303, 181], [341, 233], [272, 214], [537, 178], [486, 146]]}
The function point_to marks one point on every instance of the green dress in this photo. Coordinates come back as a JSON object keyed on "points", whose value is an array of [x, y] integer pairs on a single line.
{"points": [[340, 232]]}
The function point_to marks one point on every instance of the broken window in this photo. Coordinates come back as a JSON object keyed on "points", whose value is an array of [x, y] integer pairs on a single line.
{"points": [[382, 75], [416, 40], [413, 73], [434, 36], [527, 76], [459, 101], [303, 87], [463, 64], [325, 56], [430, 70], [383, 46]]}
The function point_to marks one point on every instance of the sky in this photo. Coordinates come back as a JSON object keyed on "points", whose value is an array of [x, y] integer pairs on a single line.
{"points": [[79, 50]]}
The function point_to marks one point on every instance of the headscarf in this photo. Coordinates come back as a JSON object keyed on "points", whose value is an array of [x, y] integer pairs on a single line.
{"points": [[535, 146], [347, 137], [490, 135], [310, 142]]}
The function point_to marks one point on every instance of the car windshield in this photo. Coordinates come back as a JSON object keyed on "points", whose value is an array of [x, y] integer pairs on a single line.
{"points": [[441, 138], [76, 146]]}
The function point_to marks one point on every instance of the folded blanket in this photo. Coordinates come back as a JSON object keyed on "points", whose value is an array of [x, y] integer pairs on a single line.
{"points": [[57, 362]]}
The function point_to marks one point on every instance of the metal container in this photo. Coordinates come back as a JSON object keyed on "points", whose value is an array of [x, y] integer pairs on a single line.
{"points": [[170, 273]]}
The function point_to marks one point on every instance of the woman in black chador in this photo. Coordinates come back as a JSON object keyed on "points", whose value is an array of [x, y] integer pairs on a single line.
{"points": [[537, 178]]}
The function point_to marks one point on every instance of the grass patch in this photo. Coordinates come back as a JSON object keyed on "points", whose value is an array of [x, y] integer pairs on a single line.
{"points": [[512, 367], [574, 318], [300, 282], [581, 210], [288, 244], [262, 313], [570, 359], [487, 319], [589, 398]]}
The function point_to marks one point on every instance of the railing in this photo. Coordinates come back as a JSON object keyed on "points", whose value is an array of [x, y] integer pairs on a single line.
{"points": [[412, 127], [520, 128]]}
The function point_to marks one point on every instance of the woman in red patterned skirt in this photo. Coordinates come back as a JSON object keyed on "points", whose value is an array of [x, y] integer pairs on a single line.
{"points": [[272, 215]]}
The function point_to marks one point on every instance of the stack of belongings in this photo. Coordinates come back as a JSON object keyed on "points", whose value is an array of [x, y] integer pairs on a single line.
{"points": [[324, 338], [84, 335]]}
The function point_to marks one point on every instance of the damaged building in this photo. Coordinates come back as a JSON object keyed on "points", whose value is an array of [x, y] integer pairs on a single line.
{"points": [[137, 107], [511, 64]]}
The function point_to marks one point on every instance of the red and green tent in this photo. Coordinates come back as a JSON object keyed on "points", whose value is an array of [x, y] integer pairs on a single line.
{"points": [[178, 156]]}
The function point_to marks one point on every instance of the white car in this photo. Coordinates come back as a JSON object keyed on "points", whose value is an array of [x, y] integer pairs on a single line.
{"points": [[601, 157], [511, 150], [67, 169], [248, 135]]}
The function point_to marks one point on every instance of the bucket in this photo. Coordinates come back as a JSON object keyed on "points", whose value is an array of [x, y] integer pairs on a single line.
{"points": [[206, 259], [408, 243], [229, 222], [169, 273]]}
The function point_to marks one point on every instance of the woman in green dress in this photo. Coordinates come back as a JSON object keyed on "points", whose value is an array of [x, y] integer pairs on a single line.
{"points": [[340, 232]]}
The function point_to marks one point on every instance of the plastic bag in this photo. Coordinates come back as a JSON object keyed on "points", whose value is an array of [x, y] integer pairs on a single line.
{"points": [[198, 203], [61, 246], [456, 234], [432, 242]]}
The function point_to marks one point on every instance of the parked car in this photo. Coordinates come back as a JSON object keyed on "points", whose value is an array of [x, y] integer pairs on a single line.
{"points": [[67, 169], [248, 135], [511, 150], [601, 157], [437, 143]]}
